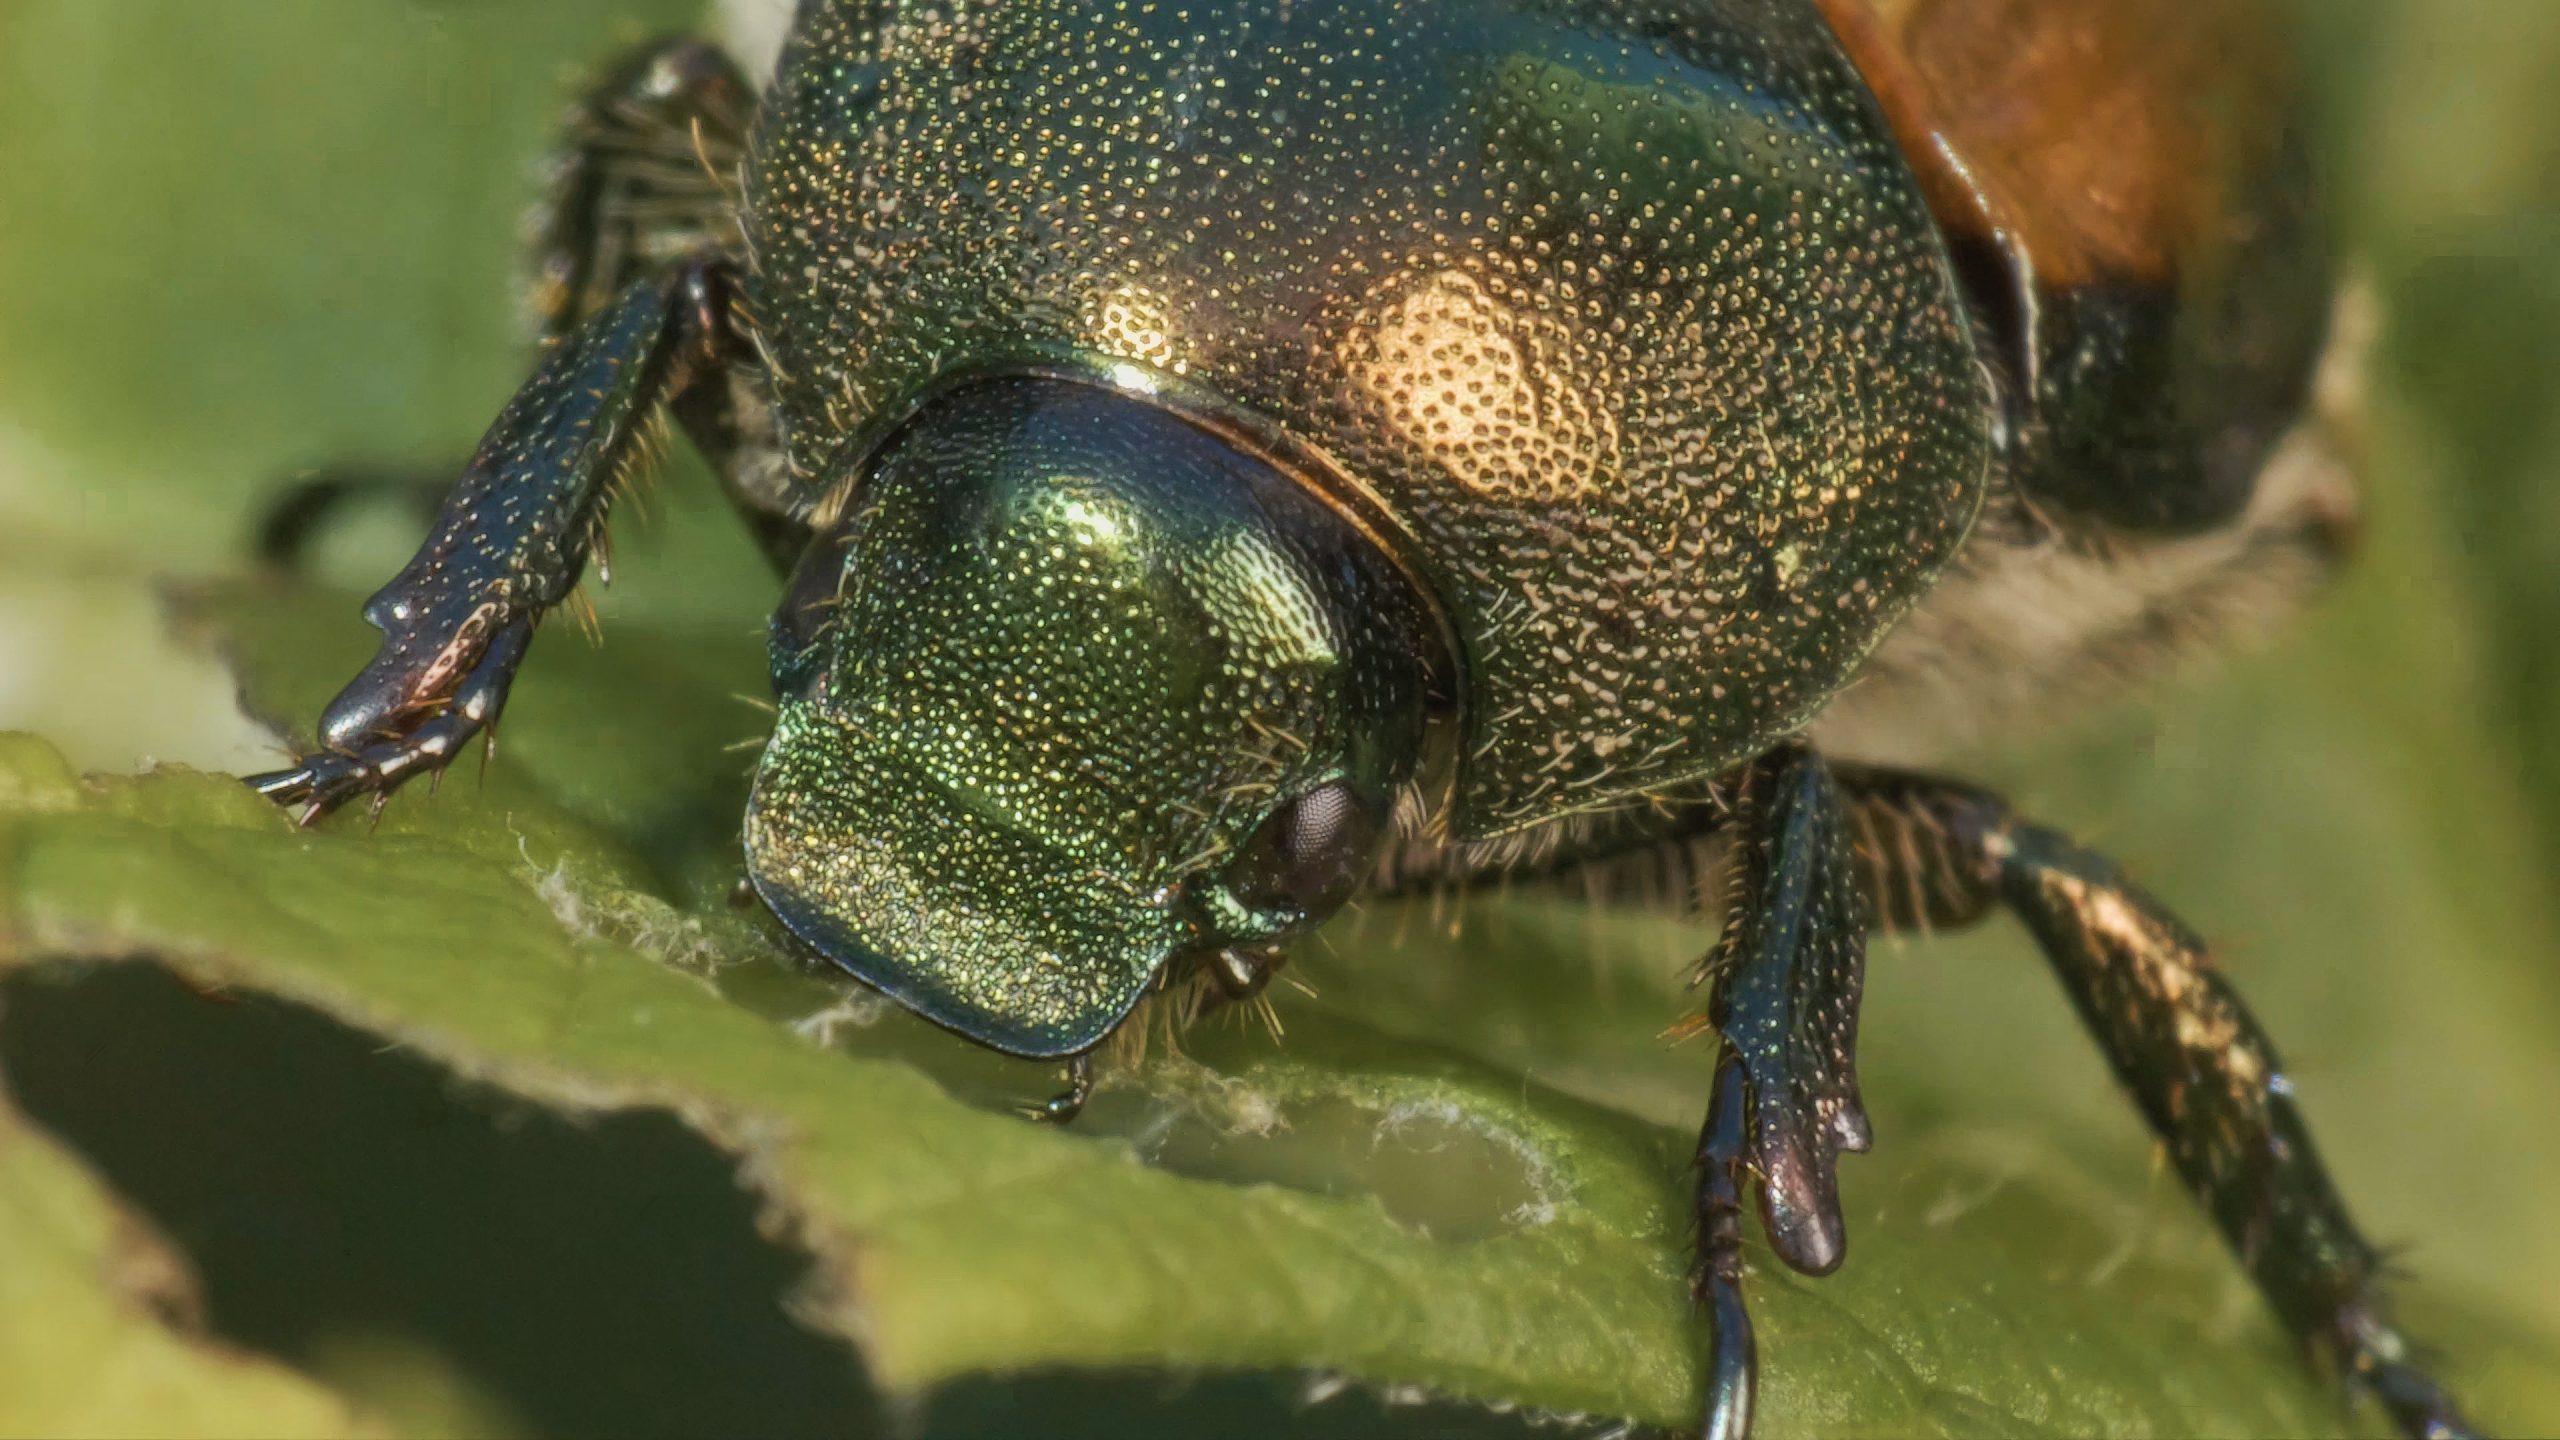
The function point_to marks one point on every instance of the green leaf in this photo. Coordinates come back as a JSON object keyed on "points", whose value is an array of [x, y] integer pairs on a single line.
{"points": [[1394, 1194], [1299, 1213], [87, 1346]]}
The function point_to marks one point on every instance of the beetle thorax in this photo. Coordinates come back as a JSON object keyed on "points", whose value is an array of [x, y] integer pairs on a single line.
{"points": [[1644, 347]]}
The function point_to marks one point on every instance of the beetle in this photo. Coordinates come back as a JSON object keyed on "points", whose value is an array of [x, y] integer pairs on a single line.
{"points": [[1224, 459]]}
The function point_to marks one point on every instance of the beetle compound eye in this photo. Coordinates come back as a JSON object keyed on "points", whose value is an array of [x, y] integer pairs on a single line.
{"points": [[1309, 855]]}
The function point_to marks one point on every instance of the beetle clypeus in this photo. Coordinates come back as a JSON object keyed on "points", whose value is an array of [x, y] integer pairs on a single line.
{"points": [[1230, 457]]}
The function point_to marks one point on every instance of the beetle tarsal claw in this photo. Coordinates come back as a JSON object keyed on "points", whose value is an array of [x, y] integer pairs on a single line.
{"points": [[1067, 1104], [285, 787]]}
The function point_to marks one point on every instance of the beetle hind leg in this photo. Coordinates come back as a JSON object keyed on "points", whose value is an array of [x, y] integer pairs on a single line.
{"points": [[2193, 1059]]}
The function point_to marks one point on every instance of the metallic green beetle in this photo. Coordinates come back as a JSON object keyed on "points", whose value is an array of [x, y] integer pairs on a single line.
{"points": [[1234, 456]]}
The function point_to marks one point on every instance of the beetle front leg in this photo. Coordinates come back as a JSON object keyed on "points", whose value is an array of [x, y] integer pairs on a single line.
{"points": [[648, 175], [322, 779], [641, 179], [512, 541], [1715, 1279], [2203, 1072], [1787, 975], [642, 182]]}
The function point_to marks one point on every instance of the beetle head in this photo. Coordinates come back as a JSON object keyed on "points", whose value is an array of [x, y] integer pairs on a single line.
{"points": [[1075, 690]]}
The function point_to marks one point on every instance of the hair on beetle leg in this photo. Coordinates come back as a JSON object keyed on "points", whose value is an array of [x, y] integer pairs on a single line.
{"points": [[582, 609], [626, 484], [1155, 1023], [1188, 993], [728, 179]]}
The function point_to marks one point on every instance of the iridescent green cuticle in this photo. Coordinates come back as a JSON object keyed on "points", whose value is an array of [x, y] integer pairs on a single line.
{"points": [[1070, 654], [1629, 317]]}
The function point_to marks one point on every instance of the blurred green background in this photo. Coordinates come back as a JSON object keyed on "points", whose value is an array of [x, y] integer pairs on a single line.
{"points": [[239, 241]]}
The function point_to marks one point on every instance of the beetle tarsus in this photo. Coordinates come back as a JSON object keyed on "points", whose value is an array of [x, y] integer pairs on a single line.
{"points": [[1715, 1282], [326, 780], [285, 787], [2381, 1359]]}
